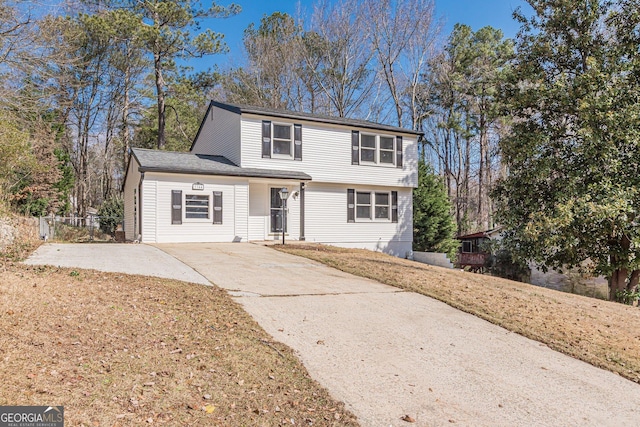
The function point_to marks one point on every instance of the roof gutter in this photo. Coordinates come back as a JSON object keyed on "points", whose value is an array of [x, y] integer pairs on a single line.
{"points": [[301, 177]]}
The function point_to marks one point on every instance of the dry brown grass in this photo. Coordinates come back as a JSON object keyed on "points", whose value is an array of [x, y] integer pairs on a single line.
{"points": [[119, 350], [602, 333]]}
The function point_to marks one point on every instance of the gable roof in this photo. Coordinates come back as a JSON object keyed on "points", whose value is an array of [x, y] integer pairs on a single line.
{"points": [[239, 109], [272, 112], [200, 164]]}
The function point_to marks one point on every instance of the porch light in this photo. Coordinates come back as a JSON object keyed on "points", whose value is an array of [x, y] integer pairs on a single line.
{"points": [[284, 194]]}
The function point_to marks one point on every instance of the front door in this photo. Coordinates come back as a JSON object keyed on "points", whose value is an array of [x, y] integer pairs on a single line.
{"points": [[276, 212]]}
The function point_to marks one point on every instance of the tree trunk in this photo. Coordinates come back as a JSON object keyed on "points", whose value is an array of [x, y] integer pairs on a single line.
{"points": [[482, 221], [161, 103], [632, 286], [618, 283]]}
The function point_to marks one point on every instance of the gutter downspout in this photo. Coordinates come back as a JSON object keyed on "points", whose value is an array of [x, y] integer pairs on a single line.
{"points": [[140, 208], [302, 187]]}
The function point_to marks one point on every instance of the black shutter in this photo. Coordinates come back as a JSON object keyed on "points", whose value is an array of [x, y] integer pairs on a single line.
{"points": [[217, 207], [351, 205], [297, 142], [176, 206], [394, 206], [266, 139], [355, 147], [399, 152]]}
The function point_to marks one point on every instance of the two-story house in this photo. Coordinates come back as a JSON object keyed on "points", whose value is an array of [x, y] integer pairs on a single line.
{"points": [[349, 182]]}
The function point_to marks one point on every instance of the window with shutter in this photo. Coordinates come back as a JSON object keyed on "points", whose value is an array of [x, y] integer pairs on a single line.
{"points": [[399, 152], [217, 207], [297, 142], [372, 206], [196, 206], [375, 149], [351, 205], [266, 139], [355, 147], [176, 206], [394, 206]]}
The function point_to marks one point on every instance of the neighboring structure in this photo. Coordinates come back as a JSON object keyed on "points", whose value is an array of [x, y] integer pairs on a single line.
{"points": [[350, 182], [473, 253]]}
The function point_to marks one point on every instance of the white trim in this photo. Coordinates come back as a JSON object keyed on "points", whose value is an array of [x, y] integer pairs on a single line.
{"points": [[291, 141], [184, 207], [372, 206], [376, 149]]}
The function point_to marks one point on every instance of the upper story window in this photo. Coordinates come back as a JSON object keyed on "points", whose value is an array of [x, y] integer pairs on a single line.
{"points": [[376, 149], [386, 150], [282, 139], [368, 148]]}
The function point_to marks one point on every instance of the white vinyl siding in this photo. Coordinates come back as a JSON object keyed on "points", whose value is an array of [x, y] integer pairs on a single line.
{"points": [[326, 221], [241, 220], [327, 155], [193, 229], [220, 135], [131, 197], [149, 210], [258, 210]]}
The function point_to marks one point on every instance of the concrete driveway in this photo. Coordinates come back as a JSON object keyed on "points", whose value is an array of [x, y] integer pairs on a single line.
{"points": [[114, 257], [384, 352], [388, 353]]}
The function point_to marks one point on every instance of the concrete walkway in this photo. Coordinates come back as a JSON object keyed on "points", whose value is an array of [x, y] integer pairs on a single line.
{"points": [[384, 352], [388, 353]]}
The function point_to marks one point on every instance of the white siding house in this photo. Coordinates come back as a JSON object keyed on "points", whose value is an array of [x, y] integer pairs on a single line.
{"points": [[350, 182]]}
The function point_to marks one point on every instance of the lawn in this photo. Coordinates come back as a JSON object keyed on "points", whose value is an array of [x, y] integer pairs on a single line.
{"points": [[602, 333], [121, 350], [132, 350]]}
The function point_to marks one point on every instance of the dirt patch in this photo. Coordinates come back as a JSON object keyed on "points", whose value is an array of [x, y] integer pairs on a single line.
{"points": [[123, 350], [602, 333]]}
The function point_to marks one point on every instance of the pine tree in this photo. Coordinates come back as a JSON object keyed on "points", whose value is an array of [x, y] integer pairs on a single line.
{"points": [[433, 225]]}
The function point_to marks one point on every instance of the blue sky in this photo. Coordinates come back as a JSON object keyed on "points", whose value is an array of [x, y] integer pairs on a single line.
{"points": [[475, 13]]}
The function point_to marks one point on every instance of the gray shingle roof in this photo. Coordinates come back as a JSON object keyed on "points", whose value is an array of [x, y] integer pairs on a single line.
{"points": [[199, 164], [239, 109]]}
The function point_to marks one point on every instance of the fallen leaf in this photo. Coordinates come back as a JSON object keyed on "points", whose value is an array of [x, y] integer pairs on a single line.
{"points": [[209, 409], [408, 419]]}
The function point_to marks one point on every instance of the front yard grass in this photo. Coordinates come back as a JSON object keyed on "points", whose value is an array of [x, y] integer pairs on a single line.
{"points": [[120, 350], [602, 333]]}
